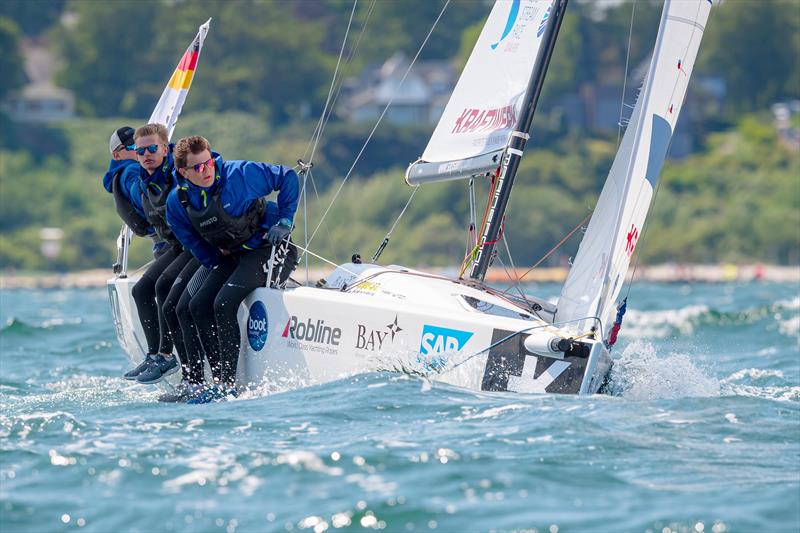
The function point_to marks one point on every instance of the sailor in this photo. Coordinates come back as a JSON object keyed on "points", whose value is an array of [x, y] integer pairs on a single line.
{"points": [[221, 215], [122, 180], [156, 180]]}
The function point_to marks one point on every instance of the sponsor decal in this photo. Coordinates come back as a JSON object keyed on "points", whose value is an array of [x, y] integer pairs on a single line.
{"points": [[373, 339], [543, 24], [473, 120], [257, 326], [365, 287], [512, 19], [437, 342], [633, 236], [312, 335], [511, 367]]}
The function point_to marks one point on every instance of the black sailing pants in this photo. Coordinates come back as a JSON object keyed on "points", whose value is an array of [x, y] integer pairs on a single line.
{"points": [[185, 341], [216, 304], [193, 366], [144, 294]]}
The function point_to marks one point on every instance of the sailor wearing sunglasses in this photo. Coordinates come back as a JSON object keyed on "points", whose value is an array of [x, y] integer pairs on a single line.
{"points": [[221, 215], [122, 180], [156, 180]]}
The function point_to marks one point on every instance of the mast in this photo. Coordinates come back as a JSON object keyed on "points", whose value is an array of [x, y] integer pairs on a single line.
{"points": [[516, 146]]}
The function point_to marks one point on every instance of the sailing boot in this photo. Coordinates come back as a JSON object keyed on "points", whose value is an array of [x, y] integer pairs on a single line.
{"points": [[132, 374], [160, 367]]}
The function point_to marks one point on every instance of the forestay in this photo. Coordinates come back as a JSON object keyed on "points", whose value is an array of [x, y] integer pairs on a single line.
{"points": [[486, 103], [171, 102], [604, 255]]}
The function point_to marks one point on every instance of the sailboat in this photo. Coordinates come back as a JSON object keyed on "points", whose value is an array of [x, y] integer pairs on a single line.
{"points": [[459, 330]]}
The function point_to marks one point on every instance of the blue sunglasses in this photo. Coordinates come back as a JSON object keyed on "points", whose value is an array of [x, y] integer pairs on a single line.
{"points": [[152, 148]]}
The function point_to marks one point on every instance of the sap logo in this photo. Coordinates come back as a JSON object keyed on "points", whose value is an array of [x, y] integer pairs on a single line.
{"points": [[311, 331], [208, 221], [257, 326], [436, 340], [512, 19], [372, 339]]}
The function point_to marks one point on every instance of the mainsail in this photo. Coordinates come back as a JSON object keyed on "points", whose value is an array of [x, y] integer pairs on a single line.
{"points": [[171, 102], [604, 255], [483, 110]]}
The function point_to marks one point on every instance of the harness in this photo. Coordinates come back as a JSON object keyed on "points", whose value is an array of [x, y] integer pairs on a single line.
{"points": [[125, 209], [154, 203], [219, 228]]}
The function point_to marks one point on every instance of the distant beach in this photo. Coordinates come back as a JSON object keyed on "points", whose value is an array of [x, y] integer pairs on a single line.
{"points": [[664, 273]]}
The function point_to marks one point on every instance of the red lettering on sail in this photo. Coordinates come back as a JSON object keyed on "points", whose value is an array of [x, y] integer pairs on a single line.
{"points": [[633, 236], [474, 120]]}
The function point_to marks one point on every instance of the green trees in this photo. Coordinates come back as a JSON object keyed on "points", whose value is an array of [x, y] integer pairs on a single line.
{"points": [[756, 47], [10, 60]]}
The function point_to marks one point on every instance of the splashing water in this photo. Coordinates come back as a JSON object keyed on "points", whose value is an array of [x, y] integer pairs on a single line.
{"points": [[641, 374]]}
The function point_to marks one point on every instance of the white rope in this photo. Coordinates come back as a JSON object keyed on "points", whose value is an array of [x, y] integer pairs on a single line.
{"points": [[336, 265], [380, 118]]}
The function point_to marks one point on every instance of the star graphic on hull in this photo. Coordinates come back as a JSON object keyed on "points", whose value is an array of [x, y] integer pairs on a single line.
{"points": [[393, 327]]}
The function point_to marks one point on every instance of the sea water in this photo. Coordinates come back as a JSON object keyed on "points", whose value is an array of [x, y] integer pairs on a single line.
{"points": [[700, 434]]}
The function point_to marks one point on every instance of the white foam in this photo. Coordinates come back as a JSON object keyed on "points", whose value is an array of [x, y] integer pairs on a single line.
{"points": [[641, 374], [659, 324], [752, 373]]}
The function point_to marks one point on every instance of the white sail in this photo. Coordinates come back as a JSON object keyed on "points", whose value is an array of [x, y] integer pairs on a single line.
{"points": [[604, 255], [486, 102], [171, 102]]}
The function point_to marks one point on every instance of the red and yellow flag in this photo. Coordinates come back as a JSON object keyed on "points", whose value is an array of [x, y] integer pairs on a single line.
{"points": [[171, 102]]}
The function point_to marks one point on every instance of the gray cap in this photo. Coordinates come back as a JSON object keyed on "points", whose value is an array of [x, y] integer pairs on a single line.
{"points": [[123, 136]]}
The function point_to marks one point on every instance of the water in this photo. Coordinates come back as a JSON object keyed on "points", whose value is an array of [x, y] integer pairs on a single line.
{"points": [[702, 434]]}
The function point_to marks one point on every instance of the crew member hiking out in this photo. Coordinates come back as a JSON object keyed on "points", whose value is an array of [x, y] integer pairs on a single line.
{"points": [[156, 180], [221, 215], [122, 180]]}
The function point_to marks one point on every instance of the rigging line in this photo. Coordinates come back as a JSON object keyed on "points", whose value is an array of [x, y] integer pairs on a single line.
{"points": [[556, 247], [347, 62], [515, 282], [327, 229], [336, 265], [388, 236], [380, 118], [333, 82], [625, 77]]}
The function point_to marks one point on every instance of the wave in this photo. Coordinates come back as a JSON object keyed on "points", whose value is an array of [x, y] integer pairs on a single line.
{"points": [[18, 326], [686, 320]]}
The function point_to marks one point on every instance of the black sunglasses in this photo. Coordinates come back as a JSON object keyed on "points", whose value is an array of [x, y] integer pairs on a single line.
{"points": [[152, 148]]}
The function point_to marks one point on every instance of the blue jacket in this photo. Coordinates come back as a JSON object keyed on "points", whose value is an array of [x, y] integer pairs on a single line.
{"points": [[128, 180], [239, 184]]}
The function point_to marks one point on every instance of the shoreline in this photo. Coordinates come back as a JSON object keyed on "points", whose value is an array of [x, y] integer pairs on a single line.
{"points": [[663, 273]]}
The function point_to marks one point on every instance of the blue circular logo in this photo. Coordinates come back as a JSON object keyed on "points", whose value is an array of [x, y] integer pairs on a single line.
{"points": [[257, 326]]}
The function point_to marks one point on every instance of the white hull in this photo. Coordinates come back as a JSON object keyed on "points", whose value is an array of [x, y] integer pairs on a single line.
{"points": [[376, 318]]}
